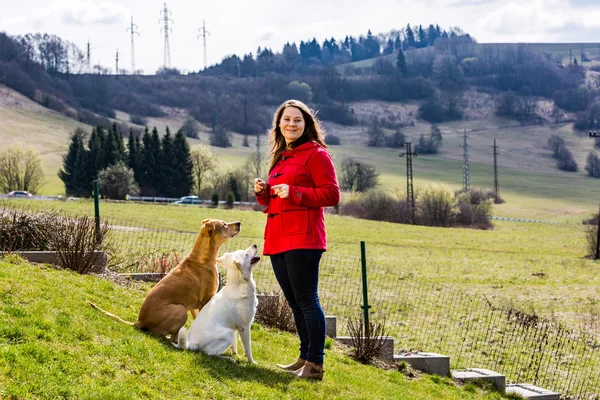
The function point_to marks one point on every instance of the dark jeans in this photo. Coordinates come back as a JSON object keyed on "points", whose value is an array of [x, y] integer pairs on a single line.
{"points": [[297, 272]]}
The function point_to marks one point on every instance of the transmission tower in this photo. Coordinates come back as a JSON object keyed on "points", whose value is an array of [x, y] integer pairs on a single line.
{"points": [[465, 146], [117, 63], [133, 31], [410, 194], [496, 186], [167, 52], [89, 69], [203, 33]]}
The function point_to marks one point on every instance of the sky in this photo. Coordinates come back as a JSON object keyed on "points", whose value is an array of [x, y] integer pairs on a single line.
{"points": [[240, 26]]}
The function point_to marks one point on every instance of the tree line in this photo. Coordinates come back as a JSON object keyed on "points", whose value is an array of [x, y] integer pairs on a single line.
{"points": [[158, 166]]}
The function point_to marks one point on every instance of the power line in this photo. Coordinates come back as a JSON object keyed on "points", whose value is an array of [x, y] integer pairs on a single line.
{"points": [[410, 194], [496, 185], [167, 52], [89, 69], [133, 32], [465, 146], [203, 33]]}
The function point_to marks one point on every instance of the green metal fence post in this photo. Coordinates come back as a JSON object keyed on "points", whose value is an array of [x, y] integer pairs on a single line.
{"points": [[97, 213], [365, 306]]}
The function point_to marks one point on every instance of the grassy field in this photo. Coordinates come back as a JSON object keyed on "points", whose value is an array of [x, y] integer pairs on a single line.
{"points": [[529, 180], [56, 346], [537, 267]]}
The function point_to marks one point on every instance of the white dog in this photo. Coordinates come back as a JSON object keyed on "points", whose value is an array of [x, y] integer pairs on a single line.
{"points": [[231, 309]]}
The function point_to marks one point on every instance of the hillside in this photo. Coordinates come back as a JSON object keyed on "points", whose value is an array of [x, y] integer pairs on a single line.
{"points": [[57, 346], [527, 171]]}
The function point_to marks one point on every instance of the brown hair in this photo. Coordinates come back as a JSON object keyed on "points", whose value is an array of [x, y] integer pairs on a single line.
{"points": [[312, 131]]}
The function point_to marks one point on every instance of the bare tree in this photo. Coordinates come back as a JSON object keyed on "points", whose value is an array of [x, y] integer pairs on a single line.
{"points": [[204, 161], [21, 169]]}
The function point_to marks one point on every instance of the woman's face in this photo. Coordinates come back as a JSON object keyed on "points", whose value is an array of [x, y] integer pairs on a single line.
{"points": [[291, 124]]}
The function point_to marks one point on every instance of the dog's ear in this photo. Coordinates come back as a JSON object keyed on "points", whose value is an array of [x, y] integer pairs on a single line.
{"points": [[221, 260], [208, 226]]}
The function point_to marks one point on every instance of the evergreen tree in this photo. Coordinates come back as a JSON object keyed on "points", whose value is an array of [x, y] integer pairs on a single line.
{"points": [[409, 39], [422, 37], [95, 156], [66, 174], [389, 47], [183, 176], [167, 166], [111, 148], [148, 162], [401, 62], [82, 181], [134, 156]]}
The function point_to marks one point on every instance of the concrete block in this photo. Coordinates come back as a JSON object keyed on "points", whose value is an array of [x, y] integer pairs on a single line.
{"points": [[49, 257], [479, 375], [331, 326], [532, 392], [386, 352], [430, 363]]}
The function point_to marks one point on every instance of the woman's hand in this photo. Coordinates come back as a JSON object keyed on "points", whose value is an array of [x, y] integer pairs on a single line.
{"points": [[259, 185], [282, 190]]}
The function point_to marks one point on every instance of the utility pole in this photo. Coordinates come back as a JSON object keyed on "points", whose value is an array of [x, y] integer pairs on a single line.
{"points": [[203, 33], [410, 194], [117, 63], [465, 146], [597, 255], [89, 69], [132, 29], [166, 51], [496, 186]]}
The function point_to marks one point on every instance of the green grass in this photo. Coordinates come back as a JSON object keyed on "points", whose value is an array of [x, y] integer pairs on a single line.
{"points": [[500, 263], [55, 346]]}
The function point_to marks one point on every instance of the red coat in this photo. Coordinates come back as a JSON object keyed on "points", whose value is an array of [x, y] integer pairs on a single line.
{"points": [[298, 221]]}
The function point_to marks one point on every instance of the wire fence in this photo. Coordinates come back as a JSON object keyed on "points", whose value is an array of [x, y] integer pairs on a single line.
{"points": [[420, 315]]}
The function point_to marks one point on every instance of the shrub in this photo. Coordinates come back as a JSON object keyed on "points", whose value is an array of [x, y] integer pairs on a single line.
{"points": [[76, 241], [366, 345], [592, 165], [24, 230], [274, 311], [474, 209], [230, 200], [215, 199], [436, 206], [566, 162], [376, 205], [117, 181], [357, 176], [138, 120], [333, 140]]}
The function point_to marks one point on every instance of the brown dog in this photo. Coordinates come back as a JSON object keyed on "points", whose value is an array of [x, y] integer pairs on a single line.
{"points": [[187, 287]]}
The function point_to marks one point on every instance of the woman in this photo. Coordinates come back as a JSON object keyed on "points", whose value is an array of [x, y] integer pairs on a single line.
{"points": [[301, 182]]}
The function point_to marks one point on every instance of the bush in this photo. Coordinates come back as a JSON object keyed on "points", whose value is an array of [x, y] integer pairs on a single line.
{"points": [[117, 181], [366, 345], [25, 230], [592, 165], [76, 241], [215, 199], [333, 140], [220, 137], [138, 119], [230, 200], [274, 311], [566, 162], [376, 205], [436, 206], [474, 209]]}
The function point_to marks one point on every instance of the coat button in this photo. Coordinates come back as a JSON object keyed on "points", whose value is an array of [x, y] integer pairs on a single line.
{"points": [[298, 194], [283, 158]]}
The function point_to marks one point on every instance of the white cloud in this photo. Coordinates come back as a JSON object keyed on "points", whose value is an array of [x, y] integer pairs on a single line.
{"points": [[538, 20]]}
